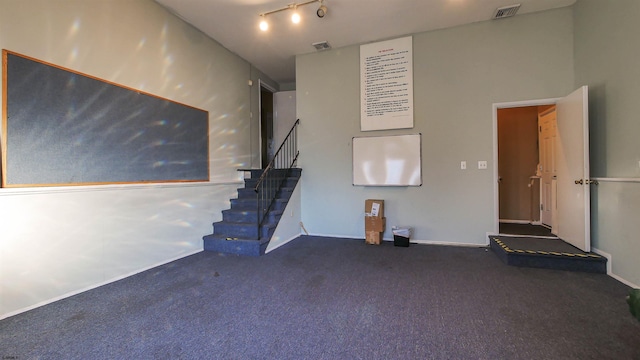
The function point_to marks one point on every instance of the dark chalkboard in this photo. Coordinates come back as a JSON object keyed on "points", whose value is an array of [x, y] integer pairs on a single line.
{"points": [[61, 127]]}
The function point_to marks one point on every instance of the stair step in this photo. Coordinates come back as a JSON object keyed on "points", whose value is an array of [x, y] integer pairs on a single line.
{"points": [[255, 173], [249, 193], [251, 204], [237, 246], [243, 230], [546, 256], [251, 183], [248, 216]]}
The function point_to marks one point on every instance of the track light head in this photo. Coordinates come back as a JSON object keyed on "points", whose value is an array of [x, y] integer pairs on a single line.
{"points": [[295, 18], [322, 11], [264, 25]]}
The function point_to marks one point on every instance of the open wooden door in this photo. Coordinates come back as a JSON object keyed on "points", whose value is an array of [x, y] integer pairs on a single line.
{"points": [[572, 161]]}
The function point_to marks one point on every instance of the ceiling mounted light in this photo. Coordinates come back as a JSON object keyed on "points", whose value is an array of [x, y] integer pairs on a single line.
{"points": [[295, 18], [264, 25], [322, 10]]}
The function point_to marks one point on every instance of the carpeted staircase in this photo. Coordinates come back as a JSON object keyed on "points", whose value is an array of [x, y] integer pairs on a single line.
{"points": [[238, 231]]}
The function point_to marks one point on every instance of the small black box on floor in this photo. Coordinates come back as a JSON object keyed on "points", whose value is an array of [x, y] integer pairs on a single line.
{"points": [[400, 241]]}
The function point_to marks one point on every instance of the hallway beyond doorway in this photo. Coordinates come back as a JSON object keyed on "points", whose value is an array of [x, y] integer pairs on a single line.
{"points": [[525, 229]]}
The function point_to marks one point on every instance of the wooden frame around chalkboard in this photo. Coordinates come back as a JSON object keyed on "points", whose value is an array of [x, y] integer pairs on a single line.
{"points": [[61, 127]]}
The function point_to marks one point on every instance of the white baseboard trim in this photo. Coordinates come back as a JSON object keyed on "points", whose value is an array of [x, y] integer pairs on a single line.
{"points": [[412, 241], [94, 286], [609, 266], [336, 236]]}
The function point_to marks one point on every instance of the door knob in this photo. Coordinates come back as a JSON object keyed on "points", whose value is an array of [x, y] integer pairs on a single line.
{"points": [[578, 182]]}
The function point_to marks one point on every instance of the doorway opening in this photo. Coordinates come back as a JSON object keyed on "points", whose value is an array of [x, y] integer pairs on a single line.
{"points": [[542, 164], [267, 145], [569, 156], [525, 148]]}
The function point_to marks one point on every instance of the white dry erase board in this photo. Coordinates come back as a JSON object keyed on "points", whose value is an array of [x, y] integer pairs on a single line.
{"points": [[387, 160]]}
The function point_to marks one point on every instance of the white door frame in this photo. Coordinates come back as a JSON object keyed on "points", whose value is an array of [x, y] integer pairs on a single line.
{"points": [[496, 190]]}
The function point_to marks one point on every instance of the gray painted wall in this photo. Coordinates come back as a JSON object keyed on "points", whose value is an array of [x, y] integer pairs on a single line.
{"points": [[607, 53], [285, 115], [459, 73]]}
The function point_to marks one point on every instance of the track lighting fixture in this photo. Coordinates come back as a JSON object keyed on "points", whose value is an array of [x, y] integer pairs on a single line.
{"points": [[295, 18]]}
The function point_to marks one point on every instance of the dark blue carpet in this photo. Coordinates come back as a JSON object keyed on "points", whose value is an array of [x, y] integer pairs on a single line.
{"points": [[326, 298]]}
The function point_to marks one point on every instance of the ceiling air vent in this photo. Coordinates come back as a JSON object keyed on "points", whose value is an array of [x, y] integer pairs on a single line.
{"points": [[322, 45], [506, 11]]}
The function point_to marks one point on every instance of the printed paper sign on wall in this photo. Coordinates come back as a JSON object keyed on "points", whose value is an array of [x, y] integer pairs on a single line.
{"points": [[386, 85]]}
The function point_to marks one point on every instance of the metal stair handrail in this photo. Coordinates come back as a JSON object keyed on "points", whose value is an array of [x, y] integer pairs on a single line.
{"points": [[275, 174]]}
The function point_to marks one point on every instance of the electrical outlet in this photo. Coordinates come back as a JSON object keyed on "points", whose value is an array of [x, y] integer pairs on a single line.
{"points": [[482, 165], [463, 165]]}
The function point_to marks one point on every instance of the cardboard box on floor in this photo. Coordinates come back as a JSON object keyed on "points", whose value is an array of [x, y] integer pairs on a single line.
{"points": [[373, 207], [374, 223], [373, 237]]}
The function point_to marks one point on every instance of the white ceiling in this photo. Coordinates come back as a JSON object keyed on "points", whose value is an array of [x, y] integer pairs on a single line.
{"points": [[234, 24]]}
